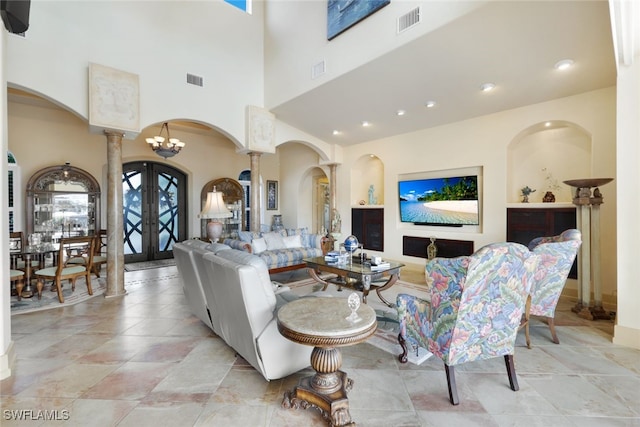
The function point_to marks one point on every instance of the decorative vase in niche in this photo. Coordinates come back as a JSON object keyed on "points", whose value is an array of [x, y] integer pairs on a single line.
{"points": [[549, 197], [276, 225]]}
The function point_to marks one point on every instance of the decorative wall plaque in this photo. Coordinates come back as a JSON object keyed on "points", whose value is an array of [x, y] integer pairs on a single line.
{"points": [[114, 100], [261, 135]]}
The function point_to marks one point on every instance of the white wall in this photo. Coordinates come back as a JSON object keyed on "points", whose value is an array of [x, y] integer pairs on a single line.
{"points": [[484, 142], [160, 41], [296, 39]]}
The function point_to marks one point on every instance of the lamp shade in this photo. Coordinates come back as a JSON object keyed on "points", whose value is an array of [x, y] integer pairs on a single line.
{"points": [[215, 206]]}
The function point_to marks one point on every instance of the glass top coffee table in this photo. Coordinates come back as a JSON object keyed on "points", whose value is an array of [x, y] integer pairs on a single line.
{"points": [[355, 275]]}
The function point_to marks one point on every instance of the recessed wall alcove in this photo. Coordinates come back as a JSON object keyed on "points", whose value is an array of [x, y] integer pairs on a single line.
{"points": [[367, 171], [543, 156]]}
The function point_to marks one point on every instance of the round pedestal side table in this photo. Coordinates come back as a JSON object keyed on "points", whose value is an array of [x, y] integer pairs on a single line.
{"points": [[327, 324]]}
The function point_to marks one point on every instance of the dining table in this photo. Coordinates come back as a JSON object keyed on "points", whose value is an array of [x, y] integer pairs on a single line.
{"points": [[28, 253]]}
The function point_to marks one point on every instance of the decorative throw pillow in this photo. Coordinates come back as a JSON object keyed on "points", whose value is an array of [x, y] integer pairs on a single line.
{"points": [[248, 236], [292, 241], [303, 233], [274, 240], [258, 246]]}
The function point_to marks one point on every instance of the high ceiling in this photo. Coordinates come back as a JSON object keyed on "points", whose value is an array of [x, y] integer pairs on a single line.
{"points": [[514, 45]]}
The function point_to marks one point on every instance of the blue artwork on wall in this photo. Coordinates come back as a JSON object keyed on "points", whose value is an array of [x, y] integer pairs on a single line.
{"points": [[343, 14]]}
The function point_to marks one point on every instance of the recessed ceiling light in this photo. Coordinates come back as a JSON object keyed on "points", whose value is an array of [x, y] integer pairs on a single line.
{"points": [[365, 124], [547, 124], [430, 104], [486, 87], [336, 132], [564, 64], [401, 112]]}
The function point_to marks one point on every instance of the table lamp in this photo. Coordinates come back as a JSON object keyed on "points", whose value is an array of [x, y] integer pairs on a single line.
{"points": [[214, 209]]}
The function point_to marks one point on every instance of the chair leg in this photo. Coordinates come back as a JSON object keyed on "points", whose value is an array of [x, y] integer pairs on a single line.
{"points": [[511, 371], [89, 289], [451, 384], [39, 287], [527, 319], [403, 343], [59, 289], [19, 286], [552, 328]]}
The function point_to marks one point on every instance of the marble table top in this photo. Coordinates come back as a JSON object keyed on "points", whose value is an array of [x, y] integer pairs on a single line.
{"points": [[326, 317]]}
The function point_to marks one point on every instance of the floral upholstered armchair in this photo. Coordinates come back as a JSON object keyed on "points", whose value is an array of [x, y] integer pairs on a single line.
{"points": [[557, 254], [475, 310]]}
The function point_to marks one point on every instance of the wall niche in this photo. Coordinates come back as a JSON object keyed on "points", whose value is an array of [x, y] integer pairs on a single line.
{"points": [[543, 156], [366, 172]]}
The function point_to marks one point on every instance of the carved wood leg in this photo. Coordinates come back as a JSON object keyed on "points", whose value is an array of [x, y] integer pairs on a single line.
{"points": [[89, 289], [403, 343], [39, 287], [451, 383], [392, 280], [59, 290], [552, 328], [511, 371], [527, 318], [19, 286], [314, 275]]}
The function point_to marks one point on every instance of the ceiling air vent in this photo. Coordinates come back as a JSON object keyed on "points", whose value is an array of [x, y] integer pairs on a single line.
{"points": [[192, 79], [318, 69], [409, 19]]}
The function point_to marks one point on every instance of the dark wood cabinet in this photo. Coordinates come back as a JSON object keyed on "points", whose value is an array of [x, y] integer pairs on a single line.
{"points": [[525, 224], [367, 224]]}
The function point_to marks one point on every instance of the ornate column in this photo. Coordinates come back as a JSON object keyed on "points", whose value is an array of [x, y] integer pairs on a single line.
{"points": [[114, 108], [115, 221], [255, 191], [588, 221]]}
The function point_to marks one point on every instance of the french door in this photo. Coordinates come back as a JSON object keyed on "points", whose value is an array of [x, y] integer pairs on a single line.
{"points": [[154, 209]]}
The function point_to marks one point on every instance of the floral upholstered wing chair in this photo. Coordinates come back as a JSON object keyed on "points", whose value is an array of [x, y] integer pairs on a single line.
{"points": [[557, 254], [475, 310]]}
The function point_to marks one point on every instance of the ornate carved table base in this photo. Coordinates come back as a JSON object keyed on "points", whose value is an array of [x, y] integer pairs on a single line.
{"points": [[326, 391], [325, 323]]}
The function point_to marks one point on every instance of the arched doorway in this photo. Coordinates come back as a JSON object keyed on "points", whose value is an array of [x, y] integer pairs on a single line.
{"points": [[154, 209]]}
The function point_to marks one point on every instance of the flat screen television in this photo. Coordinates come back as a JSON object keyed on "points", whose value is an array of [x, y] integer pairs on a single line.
{"points": [[451, 201]]}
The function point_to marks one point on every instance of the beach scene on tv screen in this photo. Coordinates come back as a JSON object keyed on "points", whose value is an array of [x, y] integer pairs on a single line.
{"points": [[440, 201]]}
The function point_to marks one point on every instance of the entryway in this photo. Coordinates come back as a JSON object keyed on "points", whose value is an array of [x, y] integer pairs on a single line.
{"points": [[154, 209]]}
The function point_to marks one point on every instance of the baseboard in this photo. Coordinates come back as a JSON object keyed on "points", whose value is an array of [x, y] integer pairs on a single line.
{"points": [[627, 337], [7, 360]]}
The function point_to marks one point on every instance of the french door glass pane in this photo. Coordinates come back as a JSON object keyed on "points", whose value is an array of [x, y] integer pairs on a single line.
{"points": [[132, 190], [168, 211]]}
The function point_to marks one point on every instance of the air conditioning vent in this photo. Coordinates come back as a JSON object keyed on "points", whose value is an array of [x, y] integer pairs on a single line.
{"points": [[318, 69], [409, 19], [192, 79]]}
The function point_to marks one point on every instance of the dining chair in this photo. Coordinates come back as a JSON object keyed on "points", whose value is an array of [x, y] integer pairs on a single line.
{"points": [[75, 259], [16, 277], [99, 255], [557, 254], [16, 245], [476, 303]]}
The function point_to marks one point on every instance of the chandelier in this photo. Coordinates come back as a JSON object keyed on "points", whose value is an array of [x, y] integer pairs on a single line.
{"points": [[170, 149]]}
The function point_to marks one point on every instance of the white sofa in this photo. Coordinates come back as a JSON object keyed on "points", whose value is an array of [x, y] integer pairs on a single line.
{"points": [[231, 292]]}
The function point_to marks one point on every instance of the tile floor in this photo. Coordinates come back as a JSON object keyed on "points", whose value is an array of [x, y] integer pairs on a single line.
{"points": [[143, 360]]}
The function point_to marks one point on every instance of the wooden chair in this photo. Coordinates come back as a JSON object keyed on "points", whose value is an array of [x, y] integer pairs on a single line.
{"points": [[75, 259], [16, 244], [17, 276], [99, 255]]}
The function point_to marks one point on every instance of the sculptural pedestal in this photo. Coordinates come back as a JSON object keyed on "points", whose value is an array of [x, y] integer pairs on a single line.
{"points": [[588, 220]]}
